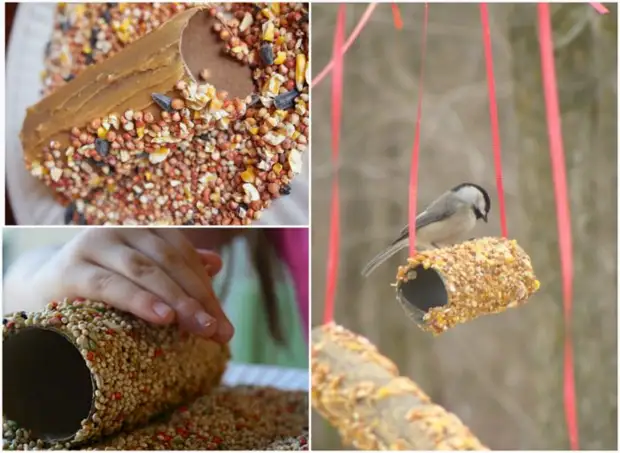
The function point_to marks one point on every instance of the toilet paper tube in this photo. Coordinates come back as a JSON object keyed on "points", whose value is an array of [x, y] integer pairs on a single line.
{"points": [[179, 49], [443, 287], [360, 392], [80, 369]]}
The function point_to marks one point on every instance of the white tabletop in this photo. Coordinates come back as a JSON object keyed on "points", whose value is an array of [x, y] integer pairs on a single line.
{"points": [[266, 375]]}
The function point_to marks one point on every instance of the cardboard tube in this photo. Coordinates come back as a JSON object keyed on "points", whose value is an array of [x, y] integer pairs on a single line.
{"points": [[81, 369], [360, 392], [441, 288], [51, 400], [179, 49]]}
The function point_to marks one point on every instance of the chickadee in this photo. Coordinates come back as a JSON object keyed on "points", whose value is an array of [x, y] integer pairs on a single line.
{"points": [[445, 221]]}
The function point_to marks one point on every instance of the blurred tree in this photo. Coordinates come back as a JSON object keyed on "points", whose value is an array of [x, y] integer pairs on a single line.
{"points": [[502, 375], [586, 65]]}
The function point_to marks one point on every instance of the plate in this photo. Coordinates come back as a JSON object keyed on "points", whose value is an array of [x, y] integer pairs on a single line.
{"points": [[267, 376]]}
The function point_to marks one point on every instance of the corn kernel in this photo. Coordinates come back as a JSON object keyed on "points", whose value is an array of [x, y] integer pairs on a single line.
{"points": [[94, 181], [125, 24], [277, 168], [268, 31], [140, 132], [101, 132], [280, 58], [215, 105], [300, 71], [275, 7], [79, 10], [248, 175], [87, 49], [123, 37]]}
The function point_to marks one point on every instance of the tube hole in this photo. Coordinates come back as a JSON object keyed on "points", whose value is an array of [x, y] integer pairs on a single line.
{"points": [[47, 387], [425, 291], [202, 49]]}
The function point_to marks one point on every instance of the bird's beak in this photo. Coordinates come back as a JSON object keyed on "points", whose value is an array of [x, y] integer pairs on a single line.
{"points": [[485, 218]]}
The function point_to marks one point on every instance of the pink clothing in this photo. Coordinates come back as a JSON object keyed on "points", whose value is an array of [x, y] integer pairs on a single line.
{"points": [[292, 246]]}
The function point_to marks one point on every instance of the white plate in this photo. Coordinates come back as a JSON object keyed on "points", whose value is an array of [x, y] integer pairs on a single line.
{"points": [[266, 375], [31, 201]]}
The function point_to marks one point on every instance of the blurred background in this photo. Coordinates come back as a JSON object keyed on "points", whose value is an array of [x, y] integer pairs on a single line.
{"points": [[238, 286], [502, 375]]}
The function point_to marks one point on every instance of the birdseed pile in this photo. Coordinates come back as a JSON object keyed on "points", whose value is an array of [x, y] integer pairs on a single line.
{"points": [[477, 277], [117, 382], [196, 155], [360, 392]]}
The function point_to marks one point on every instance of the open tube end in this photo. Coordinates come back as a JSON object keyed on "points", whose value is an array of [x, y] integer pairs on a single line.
{"points": [[421, 290], [47, 387], [202, 49]]}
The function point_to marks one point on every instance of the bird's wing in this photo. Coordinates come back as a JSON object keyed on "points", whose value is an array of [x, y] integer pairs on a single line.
{"points": [[401, 235], [436, 211]]}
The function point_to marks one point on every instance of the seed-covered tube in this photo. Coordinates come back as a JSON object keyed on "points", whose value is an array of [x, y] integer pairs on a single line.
{"points": [[443, 287], [80, 369], [360, 392]]}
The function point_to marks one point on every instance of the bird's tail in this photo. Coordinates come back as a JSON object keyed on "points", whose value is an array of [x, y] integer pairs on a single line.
{"points": [[383, 256]]}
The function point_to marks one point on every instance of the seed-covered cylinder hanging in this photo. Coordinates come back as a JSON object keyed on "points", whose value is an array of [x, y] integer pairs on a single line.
{"points": [[443, 287], [80, 369], [360, 392]]}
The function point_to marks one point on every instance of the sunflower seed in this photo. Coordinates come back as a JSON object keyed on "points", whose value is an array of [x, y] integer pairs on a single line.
{"points": [[69, 213], [286, 100], [102, 146], [163, 101], [266, 54]]}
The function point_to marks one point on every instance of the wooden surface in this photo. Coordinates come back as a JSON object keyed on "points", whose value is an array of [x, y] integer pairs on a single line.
{"points": [[10, 9]]}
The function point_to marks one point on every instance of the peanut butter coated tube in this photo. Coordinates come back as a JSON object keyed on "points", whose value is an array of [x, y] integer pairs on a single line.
{"points": [[179, 49], [360, 392], [443, 287]]}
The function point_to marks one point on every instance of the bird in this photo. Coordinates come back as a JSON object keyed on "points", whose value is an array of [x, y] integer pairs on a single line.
{"points": [[447, 220]]}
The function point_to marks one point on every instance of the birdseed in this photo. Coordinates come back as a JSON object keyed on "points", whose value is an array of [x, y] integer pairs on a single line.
{"points": [[158, 376], [230, 418], [197, 164], [136, 369], [360, 392], [477, 277]]}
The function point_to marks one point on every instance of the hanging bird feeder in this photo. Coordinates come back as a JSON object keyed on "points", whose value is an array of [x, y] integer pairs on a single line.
{"points": [[443, 287]]}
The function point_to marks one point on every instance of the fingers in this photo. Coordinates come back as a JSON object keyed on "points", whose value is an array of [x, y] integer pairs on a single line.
{"points": [[178, 243], [211, 261], [179, 260], [131, 266], [94, 282]]}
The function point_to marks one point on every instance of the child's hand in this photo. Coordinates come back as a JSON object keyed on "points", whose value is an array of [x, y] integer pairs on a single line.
{"points": [[155, 274]]}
